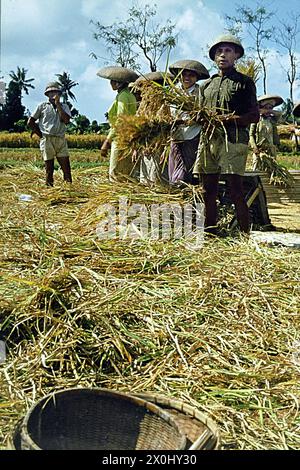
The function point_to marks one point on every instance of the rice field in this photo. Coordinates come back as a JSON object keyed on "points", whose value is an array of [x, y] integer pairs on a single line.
{"points": [[217, 326]]}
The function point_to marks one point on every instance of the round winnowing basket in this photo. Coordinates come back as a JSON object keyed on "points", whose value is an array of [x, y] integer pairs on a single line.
{"points": [[98, 419], [201, 432]]}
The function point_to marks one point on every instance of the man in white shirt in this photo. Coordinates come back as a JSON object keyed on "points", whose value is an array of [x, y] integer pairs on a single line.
{"points": [[52, 117]]}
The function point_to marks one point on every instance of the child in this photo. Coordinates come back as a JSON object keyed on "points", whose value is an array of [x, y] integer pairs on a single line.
{"points": [[52, 117]]}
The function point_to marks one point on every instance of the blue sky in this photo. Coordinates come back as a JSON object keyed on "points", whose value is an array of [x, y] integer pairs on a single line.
{"points": [[51, 36]]}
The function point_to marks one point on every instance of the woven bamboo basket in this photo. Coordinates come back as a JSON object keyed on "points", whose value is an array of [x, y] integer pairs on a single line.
{"points": [[201, 432], [97, 419]]}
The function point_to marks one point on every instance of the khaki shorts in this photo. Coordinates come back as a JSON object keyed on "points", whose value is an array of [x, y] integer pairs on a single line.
{"points": [[218, 156], [52, 147]]}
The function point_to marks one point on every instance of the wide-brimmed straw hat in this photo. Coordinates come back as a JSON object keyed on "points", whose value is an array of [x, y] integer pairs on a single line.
{"points": [[296, 110], [157, 77], [119, 74], [228, 38], [192, 65], [275, 100], [53, 86]]}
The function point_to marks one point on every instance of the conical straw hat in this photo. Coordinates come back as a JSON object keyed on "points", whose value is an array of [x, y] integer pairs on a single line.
{"points": [[275, 98], [192, 65], [119, 74]]}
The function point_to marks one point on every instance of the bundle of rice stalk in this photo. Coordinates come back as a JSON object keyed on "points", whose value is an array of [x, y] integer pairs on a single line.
{"points": [[148, 132], [210, 119], [136, 134], [279, 174], [152, 103]]}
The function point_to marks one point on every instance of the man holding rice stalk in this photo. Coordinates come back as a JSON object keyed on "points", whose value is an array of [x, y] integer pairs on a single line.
{"points": [[263, 135], [125, 103], [185, 140], [223, 149], [52, 117]]}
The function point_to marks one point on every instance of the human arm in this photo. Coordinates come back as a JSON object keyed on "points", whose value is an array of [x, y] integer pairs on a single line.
{"points": [[276, 139], [105, 147], [34, 127], [252, 137], [64, 116]]}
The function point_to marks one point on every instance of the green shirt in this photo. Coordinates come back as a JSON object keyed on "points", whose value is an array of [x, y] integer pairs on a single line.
{"points": [[125, 103], [232, 93]]}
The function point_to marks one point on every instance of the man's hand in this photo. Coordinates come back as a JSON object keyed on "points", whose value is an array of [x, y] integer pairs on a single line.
{"points": [[104, 153], [56, 99], [105, 148]]}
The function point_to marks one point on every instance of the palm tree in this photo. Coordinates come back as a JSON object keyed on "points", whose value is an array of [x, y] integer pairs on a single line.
{"points": [[20, 79], [66, 85]]}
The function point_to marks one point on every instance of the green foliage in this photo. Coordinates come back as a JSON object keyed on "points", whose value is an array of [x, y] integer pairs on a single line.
{"points": [[12, 111], [138, 33], [20, 79], [21, 125], [66, 84]]}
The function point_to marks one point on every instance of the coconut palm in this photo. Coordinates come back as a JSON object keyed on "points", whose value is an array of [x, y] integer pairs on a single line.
{"points": [[19, 77], [66, 85]]}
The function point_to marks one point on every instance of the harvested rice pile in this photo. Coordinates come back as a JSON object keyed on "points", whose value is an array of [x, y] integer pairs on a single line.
{"points": [[217, 327]]}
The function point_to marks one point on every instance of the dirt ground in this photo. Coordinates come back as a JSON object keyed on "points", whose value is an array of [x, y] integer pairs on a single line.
{"points": [[285, 216]]}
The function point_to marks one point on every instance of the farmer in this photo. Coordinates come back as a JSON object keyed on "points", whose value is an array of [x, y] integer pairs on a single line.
{"points": [[232, 95], [263, 135], [52, 117], [125, 103], [185, 140], [152, 169]]}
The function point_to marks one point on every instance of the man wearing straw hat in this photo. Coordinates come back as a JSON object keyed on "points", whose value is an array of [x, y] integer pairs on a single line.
{"points": [[185, 140], [263, 135], [52, 117], [125, 103], [232, 96]]}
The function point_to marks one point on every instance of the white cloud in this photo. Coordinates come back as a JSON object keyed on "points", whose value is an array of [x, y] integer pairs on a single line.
{"points": [[103, 10]]}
